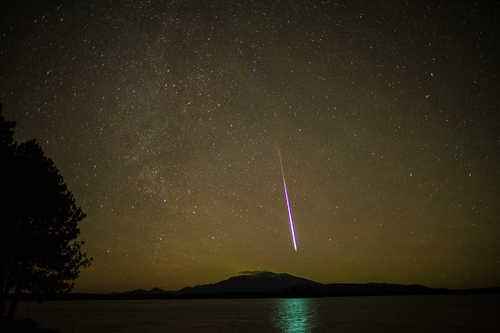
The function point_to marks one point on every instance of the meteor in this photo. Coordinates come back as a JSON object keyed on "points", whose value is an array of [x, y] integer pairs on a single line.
{"points": [[288, 204]]}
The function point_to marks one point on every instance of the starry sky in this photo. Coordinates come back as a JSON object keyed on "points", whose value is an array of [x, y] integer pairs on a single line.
{"points": [[165, 117]]}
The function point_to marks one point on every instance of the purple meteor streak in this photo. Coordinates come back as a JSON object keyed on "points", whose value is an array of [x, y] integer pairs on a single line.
{"points": [[288, 204]]}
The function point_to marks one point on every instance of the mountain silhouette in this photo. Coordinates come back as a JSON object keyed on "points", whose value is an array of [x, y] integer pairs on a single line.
{"points": [[252, 282], [153, 291], [269, 284]]}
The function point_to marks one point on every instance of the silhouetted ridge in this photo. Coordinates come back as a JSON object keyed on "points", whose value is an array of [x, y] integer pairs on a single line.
{"points": [[269, 284], [146, 292], [251, 284], [259, 282]]}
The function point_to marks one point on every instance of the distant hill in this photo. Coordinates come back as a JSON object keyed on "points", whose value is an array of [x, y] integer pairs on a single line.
{"points": [[259, 282], [154, 291], [253, 284], [269, 284]]}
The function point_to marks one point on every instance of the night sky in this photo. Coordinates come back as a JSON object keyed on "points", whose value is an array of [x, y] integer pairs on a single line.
{"points": [[165, 119]]}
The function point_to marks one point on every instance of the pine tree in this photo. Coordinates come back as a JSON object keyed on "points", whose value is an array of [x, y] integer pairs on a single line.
{"points": [[39, 250]]}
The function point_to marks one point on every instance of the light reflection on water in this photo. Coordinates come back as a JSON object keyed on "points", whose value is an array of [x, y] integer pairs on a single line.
{"points": [[295, 315]]}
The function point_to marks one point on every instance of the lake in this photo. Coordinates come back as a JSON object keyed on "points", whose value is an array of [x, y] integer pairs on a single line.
{"points": [[451, 313]]}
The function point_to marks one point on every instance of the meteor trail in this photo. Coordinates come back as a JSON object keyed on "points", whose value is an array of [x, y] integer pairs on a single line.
{"points": [[288, 203]]}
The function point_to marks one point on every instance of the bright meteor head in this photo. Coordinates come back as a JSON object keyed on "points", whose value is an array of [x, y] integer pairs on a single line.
{"points": [[290, 216]]}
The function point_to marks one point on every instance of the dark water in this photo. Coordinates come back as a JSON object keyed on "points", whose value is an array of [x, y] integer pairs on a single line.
{"points": [[454, 313]]}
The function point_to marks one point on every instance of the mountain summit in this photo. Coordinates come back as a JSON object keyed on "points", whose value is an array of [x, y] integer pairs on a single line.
{"points": [[253, 282]]}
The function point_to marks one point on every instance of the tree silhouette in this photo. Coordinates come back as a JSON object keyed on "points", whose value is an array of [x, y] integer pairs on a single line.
{"points": [[39, 252]]}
